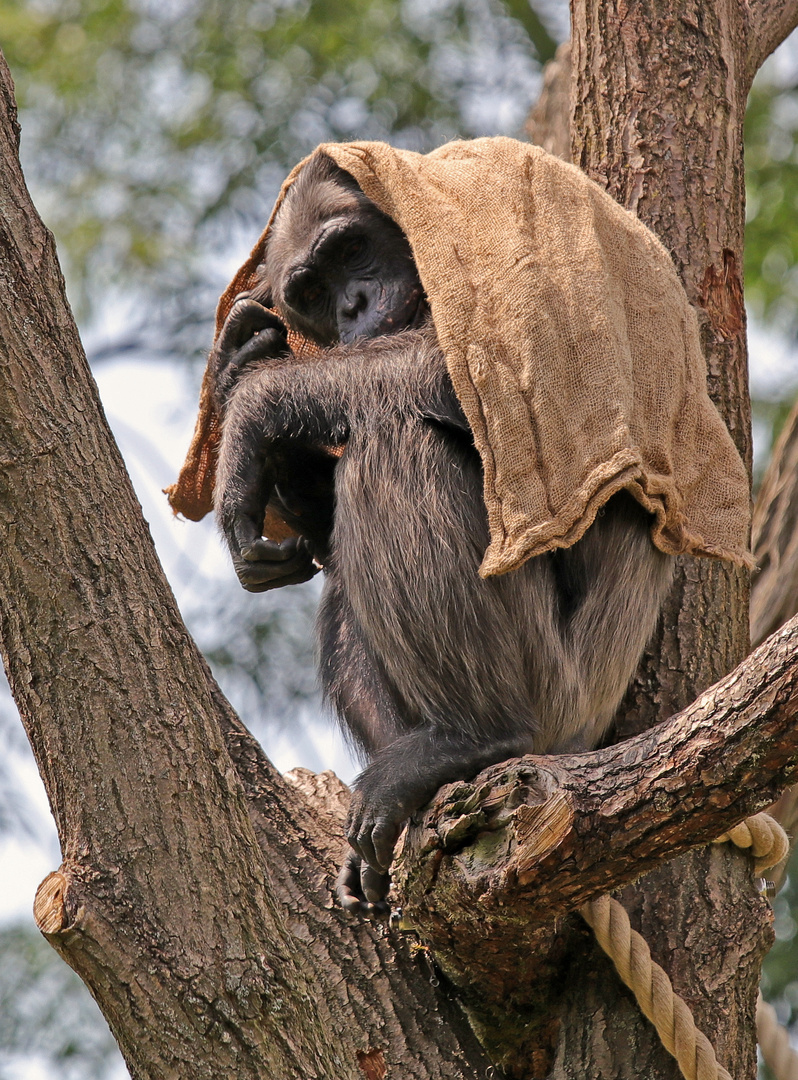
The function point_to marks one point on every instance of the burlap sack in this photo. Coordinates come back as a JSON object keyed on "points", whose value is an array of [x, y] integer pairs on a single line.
{"points": [[192, 494], [570, 342]]}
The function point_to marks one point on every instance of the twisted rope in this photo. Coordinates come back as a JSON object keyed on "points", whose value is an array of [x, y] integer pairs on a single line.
{"points": [[653, 990], [764, 836], [651, 985]]}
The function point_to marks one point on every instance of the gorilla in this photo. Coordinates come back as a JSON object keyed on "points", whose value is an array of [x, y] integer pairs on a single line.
{"points": [[365, 452]]}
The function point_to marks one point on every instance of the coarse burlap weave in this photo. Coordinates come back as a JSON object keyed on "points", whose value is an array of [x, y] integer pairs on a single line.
{"points": [[570, 342]]}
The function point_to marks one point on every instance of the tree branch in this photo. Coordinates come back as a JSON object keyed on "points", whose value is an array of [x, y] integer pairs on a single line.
{"points": [[529, 841], [549, 122], [769, 23], [774, 592], [775, 537], [586, 824]]}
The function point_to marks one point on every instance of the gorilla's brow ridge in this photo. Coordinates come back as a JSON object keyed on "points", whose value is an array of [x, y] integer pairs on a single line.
{"points": [[320, 192]]}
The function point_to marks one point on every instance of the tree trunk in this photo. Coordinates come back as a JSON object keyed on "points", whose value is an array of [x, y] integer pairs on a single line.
{"points": [[194, 896], [658, 100]]}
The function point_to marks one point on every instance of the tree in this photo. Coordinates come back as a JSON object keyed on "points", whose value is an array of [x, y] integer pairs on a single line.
{"points": [[193, 896]]}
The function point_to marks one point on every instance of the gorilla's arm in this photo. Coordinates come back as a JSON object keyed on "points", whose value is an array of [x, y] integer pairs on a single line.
{"points": [[250, 334], [318, 401], [282, 408]]}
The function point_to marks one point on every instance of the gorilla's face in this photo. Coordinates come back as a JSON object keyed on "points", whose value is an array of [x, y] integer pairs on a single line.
{"points": [[340, 269]]}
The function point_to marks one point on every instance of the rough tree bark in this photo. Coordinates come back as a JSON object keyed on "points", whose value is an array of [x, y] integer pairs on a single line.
{"points": [[774, 599], [194, 894], [774, 537]]}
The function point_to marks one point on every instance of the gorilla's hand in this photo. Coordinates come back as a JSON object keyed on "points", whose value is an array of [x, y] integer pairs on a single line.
{"points": [[260, 564], [377, 812], [250, 333], [269, 564], [402, 778]]}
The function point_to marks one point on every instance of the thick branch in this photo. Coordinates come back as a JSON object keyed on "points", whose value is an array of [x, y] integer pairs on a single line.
{"points": [[770, 23], [578, 826]]}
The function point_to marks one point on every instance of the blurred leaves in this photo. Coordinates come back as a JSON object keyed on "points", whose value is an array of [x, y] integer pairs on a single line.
{"points": [[261, 649], [771, 255], [17, 816], [780, 970], [771, 251]]}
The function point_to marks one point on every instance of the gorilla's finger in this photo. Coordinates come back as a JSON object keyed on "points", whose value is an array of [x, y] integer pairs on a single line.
{"points": [[348, 887], [262, 576], [245, 532], [265, 550], [384, 835], [247, 317], [306, 571], [374, 885]]}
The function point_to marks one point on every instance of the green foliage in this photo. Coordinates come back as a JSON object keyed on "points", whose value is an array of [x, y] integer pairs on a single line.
{"points": [[780, 971], [771, 255], [768, 415], [771, 251]]}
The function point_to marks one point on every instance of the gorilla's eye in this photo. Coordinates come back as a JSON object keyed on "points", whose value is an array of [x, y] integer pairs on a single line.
{"points": [[304, 291], [354, 248], [310, 295]]}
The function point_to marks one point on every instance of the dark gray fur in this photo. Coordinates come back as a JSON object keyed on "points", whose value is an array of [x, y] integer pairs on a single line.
{"points": [[433, 671]]}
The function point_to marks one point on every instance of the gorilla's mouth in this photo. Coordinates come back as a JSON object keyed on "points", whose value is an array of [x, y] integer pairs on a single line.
{"points": [[410, 316]]}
